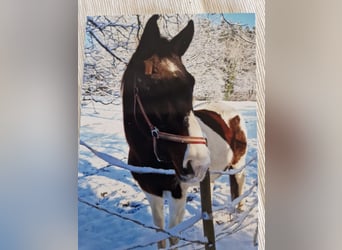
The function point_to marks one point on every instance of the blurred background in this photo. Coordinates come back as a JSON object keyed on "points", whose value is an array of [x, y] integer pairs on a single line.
{"points": [[39, 125]]}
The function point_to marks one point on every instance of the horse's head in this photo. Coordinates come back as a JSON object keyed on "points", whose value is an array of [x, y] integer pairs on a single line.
{"points": [[164, 86]]}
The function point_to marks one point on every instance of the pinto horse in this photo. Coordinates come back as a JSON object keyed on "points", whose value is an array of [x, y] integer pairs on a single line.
{"points": [[164, 131]]}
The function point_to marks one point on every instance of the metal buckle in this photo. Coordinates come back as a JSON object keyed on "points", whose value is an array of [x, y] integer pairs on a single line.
{"points": [[155, 132]]}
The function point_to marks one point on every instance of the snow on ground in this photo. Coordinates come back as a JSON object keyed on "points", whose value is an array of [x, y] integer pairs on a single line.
{"points": [[113, 212]]}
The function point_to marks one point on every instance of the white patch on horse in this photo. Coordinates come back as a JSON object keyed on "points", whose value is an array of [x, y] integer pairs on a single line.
{"points": [[198, 154], [157, 207], [225, 110], [219, 148], [176, 211], [170, 66], [220, 152], [176, 206]]}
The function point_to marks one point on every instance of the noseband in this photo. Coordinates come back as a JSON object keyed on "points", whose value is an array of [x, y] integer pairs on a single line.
{"points": [[156, 134]]}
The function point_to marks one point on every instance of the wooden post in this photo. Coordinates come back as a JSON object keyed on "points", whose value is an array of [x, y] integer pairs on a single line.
{"points": [[207, 216]]}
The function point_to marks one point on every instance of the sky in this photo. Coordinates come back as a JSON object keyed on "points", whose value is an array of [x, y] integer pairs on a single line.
{"points": [[239, 18], [242, 18]]}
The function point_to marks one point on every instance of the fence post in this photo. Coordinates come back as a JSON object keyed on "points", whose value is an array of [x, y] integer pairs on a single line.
{"points": [[207, 216]]}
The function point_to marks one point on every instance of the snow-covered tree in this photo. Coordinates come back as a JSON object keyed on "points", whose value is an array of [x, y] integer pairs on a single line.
{"points": [[221, 56]]}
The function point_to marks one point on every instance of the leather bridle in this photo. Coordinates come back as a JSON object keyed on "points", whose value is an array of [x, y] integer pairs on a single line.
{"points": [[160, 135]]}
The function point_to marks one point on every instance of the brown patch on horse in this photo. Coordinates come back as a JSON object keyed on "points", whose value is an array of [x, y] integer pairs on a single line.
{"points": [[239, 140], [232, 134], [148, 66], [216, 123]]}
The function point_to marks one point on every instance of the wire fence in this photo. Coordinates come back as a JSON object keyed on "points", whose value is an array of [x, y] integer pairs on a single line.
{"points": [[149, 170], [235, 225]]}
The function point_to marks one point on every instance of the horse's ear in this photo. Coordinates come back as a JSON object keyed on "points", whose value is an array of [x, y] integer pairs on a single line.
{"points": [[151, 34], [181, 42]]}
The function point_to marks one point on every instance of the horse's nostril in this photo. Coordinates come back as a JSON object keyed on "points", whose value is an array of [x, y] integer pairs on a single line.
{"points": [[188, 170]]}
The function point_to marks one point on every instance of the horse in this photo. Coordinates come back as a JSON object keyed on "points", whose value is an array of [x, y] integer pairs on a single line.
{"points": [[164, 131]]}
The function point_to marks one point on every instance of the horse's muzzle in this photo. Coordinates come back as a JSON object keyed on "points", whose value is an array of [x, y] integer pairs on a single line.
{"points": [[189, 174]]}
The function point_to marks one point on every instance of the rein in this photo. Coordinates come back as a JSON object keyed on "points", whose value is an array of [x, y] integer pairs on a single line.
{"points": [[157, 134]]}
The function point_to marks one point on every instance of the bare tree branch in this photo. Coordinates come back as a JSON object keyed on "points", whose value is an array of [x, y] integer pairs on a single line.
{"points": [[105, 47]]}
